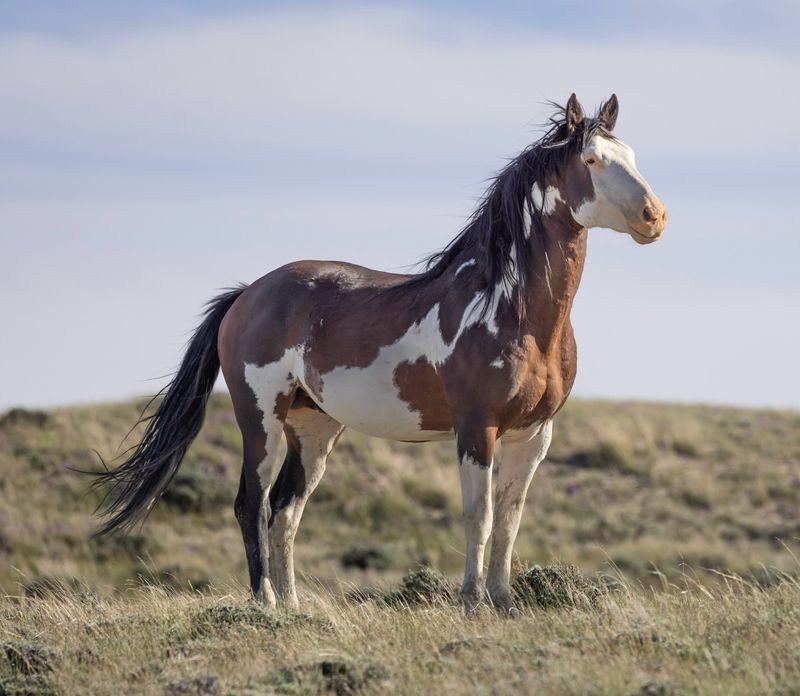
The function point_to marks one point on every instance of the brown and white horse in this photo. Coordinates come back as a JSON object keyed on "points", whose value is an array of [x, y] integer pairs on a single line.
{"points": [[476, 348]]}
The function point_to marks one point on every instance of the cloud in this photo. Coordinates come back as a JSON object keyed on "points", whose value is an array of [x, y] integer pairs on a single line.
{"points": [[140, 172], [374, 80]]}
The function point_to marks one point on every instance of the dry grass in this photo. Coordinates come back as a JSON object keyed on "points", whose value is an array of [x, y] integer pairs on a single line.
{"points": [[628, 486], [725, 639]]}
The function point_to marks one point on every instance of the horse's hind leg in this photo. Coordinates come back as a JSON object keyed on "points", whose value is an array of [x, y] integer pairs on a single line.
{"points": [[261, 422], [310, 437]]}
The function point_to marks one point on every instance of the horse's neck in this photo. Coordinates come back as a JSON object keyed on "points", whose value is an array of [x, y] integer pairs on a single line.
{"points": [[557, 256]]}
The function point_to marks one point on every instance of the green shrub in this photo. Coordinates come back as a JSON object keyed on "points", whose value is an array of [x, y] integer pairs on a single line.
{"points": [[366, 557], [24, 416], [426, 496], [606, 455], [132, 546], [27, 685], [26, 657], [555, 587], [220, 618], [423, 586], [195, 490], [339, 675], [202, 685], [684, 448]]}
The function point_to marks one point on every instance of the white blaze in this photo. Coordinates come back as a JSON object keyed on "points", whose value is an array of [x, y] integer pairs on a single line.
{"points": [[620, 191]]}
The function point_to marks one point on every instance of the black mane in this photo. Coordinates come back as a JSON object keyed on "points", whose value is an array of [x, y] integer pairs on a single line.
{"points": [[495, 235]]}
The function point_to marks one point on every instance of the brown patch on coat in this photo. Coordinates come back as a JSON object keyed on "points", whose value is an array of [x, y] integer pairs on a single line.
{"points": [[348, 326], [303, 400], [291, 479], [420, 386], [283, 402], [575, 184]]}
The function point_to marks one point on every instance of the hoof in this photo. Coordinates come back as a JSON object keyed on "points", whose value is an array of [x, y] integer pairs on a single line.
{"points": [[472, 597], [509, 613], [290, 603], [503, 603], [265, 594]]}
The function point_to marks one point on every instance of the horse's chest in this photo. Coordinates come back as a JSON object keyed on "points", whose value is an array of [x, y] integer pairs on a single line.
{"points": [[540, 383]]}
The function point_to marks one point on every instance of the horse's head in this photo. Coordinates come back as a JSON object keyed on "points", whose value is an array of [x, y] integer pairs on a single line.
{"points": [[602, 185]]}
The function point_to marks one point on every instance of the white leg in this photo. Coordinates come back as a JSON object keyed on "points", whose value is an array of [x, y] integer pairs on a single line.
{"points": [[521, 455], [310, 435], [476, 495]]}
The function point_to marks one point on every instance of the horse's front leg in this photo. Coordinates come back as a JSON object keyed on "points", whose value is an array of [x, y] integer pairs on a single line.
{"points": [[475, 455], [521, 455]]}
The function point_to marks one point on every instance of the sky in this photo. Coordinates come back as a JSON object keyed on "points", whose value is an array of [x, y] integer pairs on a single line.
{"points": [[152, 153]]}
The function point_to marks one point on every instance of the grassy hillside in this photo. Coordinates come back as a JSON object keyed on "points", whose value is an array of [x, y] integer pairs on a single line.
{"points": [[683, 522], [734, 640], [640, 485]]}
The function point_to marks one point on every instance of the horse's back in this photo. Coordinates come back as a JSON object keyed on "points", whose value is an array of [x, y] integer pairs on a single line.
{"points": [[282, 303], [333, 330]]}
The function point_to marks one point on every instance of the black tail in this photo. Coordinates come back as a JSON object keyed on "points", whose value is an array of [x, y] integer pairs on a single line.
{"points": [[133, 488]]}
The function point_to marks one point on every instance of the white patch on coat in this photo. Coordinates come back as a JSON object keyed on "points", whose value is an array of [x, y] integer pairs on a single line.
{"points": [[527, 218], [270, 380], [620, 191], [367, 399], [498, 363], [267, 382], [464, 265], [545, 203]]}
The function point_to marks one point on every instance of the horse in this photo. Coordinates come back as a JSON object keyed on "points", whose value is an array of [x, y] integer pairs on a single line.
{"points": [[477, 347]]}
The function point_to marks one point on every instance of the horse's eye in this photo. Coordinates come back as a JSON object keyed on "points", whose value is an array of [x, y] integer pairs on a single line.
{"points": [[590, 160]]}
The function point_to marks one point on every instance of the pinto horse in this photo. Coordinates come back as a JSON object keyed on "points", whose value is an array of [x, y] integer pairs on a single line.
{"points": [[477, 347]]}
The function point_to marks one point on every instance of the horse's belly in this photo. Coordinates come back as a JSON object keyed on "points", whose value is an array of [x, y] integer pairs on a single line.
{"points": [[371, 401]]}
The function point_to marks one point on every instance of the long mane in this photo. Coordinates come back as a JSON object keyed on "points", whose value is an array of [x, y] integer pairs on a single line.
{"points": [[495, 234]]}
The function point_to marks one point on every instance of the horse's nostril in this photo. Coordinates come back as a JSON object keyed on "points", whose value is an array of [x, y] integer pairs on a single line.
{"points": [[649, 214]]}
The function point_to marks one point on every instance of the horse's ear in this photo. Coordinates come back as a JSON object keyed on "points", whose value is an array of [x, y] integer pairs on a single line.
{"points": [[609, 111], [574, 113]]}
